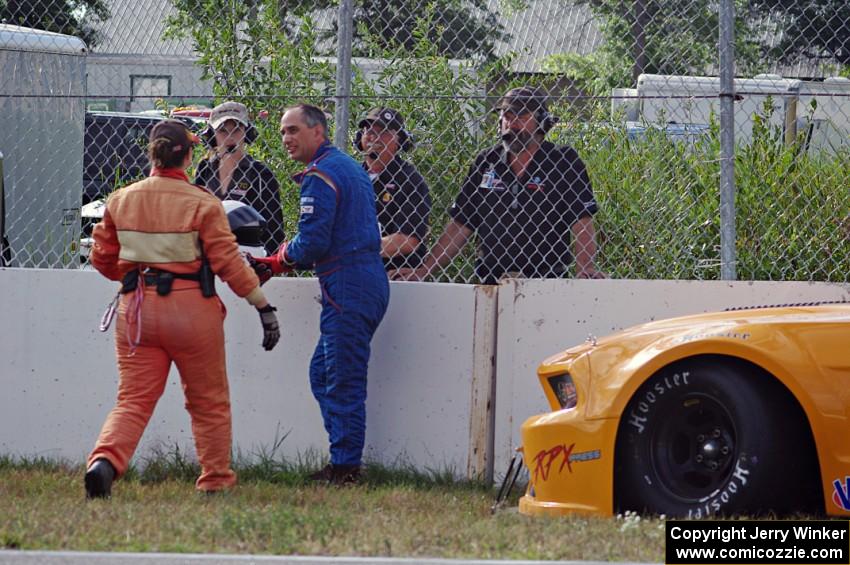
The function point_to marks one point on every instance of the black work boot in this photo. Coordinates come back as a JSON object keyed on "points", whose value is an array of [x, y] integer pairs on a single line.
{"points": [[99, 479]]}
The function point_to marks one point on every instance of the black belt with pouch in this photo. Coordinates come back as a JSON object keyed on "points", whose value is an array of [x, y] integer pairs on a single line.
{"points": [[164, 280]]}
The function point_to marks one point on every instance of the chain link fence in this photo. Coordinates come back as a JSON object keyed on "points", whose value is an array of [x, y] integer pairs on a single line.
{"points": [[634, 88]]}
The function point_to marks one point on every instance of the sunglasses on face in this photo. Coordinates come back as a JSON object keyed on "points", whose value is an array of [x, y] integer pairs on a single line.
{"points": [[376, 130], [230, 128]]}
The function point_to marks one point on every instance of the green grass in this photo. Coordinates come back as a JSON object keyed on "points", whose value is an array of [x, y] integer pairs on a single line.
{"points": [[398, 511]]}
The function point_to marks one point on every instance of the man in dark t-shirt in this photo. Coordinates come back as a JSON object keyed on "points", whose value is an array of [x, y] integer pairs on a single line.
{"points": [[402, 197], [525, 199]]}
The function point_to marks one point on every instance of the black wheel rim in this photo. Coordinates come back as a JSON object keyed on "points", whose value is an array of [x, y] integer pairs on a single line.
{"points": [[694, 448]]}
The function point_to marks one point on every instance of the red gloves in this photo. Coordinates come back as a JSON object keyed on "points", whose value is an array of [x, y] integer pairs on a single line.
{"points": [[267, 267]]}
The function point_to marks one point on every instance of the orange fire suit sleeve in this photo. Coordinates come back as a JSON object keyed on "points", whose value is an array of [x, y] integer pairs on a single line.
{"points": [[104, 253]]}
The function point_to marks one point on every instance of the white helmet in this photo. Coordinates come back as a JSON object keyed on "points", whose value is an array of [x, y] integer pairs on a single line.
{"points": [[248, 225]]}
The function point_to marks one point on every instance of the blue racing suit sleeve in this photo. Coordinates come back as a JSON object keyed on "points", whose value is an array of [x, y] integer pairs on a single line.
{"points": [[319, 201]]}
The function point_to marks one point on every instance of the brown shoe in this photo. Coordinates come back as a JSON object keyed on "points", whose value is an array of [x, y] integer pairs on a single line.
{"points": [[346, 475], [323, 475], [337, 474]]}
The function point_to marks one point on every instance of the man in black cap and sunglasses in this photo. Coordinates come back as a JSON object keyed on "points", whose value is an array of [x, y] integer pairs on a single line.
{"points": [[402, 196], [525, 199]]}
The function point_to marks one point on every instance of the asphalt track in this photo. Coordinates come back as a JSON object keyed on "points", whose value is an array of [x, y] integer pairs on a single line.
{"points": [[86, 558]]}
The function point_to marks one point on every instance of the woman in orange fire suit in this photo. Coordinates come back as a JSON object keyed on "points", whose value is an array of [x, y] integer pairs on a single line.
{"points": [[154, 237]]}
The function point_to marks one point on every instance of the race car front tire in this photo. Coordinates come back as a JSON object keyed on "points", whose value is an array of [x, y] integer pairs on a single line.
{"points": [[711, 436]]}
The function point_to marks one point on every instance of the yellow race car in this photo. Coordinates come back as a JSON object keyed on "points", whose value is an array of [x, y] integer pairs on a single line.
{"points": [[737, 412]]}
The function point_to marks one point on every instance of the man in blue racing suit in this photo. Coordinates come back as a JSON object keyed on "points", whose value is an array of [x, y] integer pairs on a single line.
{"points": [[338, 237]]}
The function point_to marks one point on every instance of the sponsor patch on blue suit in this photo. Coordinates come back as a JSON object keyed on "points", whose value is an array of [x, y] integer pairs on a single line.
{"points": [[306, 209]]}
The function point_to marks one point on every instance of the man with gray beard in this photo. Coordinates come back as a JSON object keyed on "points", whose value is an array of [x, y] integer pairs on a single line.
{"points": [[524, 199]]}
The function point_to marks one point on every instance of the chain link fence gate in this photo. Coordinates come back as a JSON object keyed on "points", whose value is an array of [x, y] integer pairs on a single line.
{"points": [[635, 88]]}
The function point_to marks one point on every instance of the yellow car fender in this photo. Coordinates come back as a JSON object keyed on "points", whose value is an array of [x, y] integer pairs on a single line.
{"points": [[803, 349]]}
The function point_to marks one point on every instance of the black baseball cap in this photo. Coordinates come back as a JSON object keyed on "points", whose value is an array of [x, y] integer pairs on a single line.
{"points": [[387, 117], [522, 100]]}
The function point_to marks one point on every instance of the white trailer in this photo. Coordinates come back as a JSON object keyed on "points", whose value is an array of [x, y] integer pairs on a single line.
{"points": [[823, 113], [42, 101], [666, 99]]}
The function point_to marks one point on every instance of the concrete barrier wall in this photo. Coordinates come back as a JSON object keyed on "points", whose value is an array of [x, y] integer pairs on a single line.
{"points": [[451, 380], [59, 376], [539, 318]]}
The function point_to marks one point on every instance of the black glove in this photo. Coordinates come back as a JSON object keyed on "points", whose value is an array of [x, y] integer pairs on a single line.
{"points": [[264, 272], [271, 329]]}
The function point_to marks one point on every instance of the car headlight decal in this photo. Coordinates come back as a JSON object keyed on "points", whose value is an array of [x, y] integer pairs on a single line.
{"points": [[564, 389]]}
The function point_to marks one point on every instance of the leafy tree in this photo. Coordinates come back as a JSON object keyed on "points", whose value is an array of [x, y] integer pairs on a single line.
{"points": [[71, 17], [680, 37], [815, 29], [241, 48], [243, 51], [459, 28], [654, 36]]}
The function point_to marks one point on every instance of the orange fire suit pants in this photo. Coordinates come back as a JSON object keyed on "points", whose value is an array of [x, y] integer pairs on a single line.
{"points": [[188, 329]]}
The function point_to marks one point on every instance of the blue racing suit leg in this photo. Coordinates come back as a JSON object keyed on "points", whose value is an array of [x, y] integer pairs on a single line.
{"points": [[318, 374], [354, 300]]}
